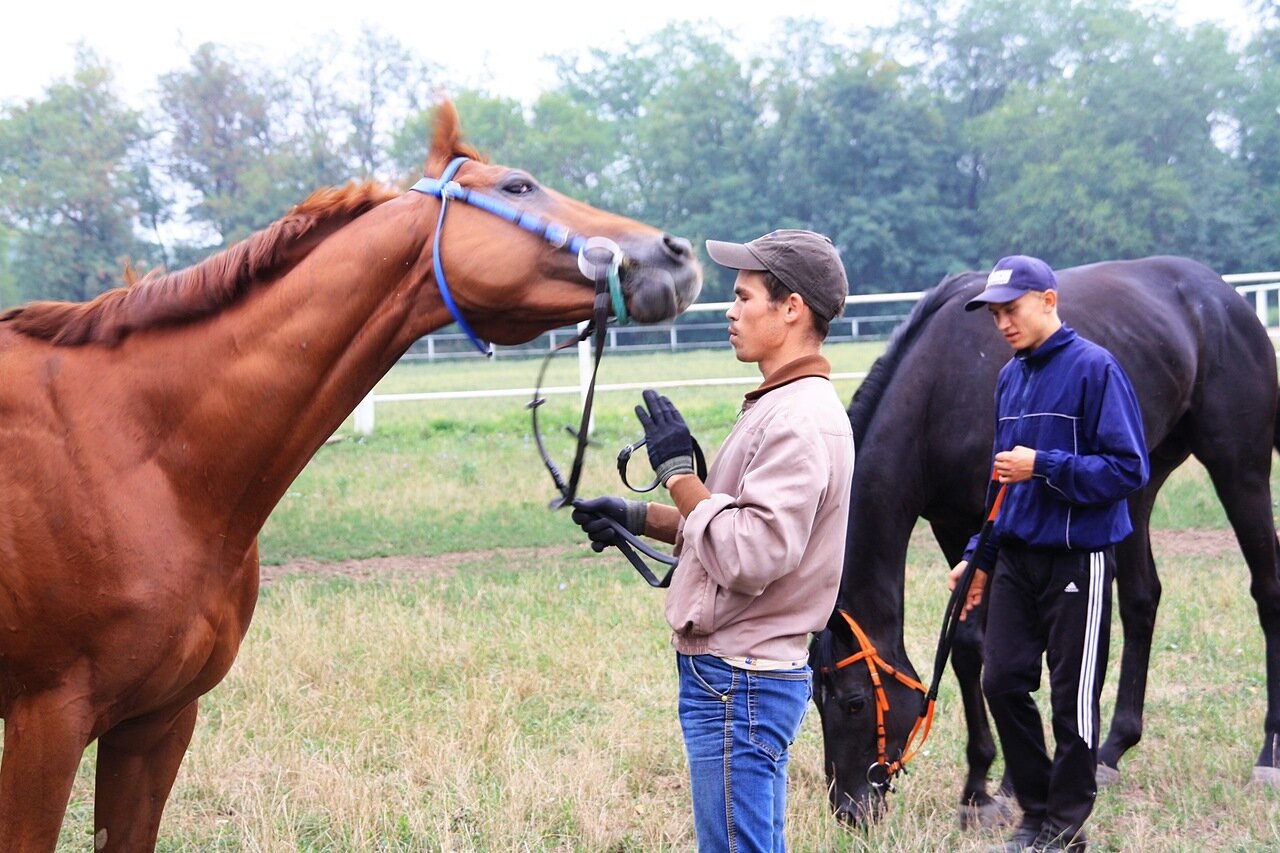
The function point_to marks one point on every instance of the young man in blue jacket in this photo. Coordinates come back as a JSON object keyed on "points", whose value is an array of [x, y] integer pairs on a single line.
{"points": [[1069, 444]]}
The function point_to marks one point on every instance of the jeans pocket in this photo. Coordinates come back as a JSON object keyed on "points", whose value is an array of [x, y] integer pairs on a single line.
{"points": [[776, 706], [710, 674]]}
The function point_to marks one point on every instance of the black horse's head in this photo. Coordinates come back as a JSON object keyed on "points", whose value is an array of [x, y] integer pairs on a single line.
{"points": [[869, 701]]}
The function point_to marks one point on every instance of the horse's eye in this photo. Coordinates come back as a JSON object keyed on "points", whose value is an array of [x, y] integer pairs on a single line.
{"points": [[518, 186], [854, 705]]}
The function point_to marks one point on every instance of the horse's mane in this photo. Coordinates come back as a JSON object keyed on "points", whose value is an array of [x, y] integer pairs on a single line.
{"points": [[167, 299], [866, 399]]}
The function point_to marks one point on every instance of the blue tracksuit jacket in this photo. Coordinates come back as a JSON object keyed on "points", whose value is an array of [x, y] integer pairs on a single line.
{"points": [[1070, 401]]}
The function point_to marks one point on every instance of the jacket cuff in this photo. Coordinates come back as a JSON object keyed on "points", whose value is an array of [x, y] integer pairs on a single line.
{"points": [[661, 522], [687, 491]]}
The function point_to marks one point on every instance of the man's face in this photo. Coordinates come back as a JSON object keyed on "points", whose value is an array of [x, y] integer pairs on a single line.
{"points": [[756, 327], [1027, 321]]}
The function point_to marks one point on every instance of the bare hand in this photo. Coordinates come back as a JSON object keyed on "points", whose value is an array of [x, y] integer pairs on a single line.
{"points": [[1015, 466], [979, 584]]}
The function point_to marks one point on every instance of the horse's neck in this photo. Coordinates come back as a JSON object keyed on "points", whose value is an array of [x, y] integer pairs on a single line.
{"points": [[280, 371], [874, 578]]}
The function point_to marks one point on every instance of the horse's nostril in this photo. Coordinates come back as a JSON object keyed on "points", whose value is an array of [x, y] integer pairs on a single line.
{"points": [[677, 247]]}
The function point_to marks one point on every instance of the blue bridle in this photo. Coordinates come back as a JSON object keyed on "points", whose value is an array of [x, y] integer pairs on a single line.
{"points": [[446, 188]]}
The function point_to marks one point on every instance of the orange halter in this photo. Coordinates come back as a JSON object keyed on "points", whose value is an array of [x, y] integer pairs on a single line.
{"points": [[881, 773]]}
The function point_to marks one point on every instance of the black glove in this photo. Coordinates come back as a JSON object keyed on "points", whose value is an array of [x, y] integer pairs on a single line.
{"points": [[593, 516], [666, 437]]}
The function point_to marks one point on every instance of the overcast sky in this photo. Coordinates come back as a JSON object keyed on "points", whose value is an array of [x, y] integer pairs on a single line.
{"points": [[499, 44]]}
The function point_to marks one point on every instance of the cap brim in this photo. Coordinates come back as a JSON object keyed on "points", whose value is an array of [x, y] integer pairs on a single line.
{"points": [[735, 256], [997, 294]]}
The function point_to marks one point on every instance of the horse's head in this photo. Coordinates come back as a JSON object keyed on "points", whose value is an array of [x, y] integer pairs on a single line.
{"points": [[853, 707], [511, 283]]}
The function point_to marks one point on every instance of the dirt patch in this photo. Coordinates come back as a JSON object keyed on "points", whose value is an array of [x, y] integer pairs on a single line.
{"points": [[441, 565], [1188, 543], [1194, 543]]}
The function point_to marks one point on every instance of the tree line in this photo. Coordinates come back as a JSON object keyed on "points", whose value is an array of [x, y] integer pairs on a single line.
{"points": [[1076, 130]]}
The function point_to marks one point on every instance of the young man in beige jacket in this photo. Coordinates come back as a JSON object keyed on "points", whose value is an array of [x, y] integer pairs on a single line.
{"points": [[760, 544]]}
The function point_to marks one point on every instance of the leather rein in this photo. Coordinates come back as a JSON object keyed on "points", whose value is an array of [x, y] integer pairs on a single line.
{"points": [[599, 259], [882, 771]]}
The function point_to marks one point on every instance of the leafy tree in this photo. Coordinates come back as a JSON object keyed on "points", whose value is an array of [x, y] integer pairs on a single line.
{"points": [[1259, 142], [389, 83], [70, 186], [1087, 129], [9, 293], [316, 123], [224, 146], [859, 156], [684, 114]]}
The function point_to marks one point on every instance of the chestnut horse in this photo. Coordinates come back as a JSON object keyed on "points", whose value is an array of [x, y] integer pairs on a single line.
{"points": [[145, 437], [1204, 371]]}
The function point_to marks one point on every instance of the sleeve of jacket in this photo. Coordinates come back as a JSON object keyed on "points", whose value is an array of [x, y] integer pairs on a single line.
{"points": [[746, 542], [1115, 464]]}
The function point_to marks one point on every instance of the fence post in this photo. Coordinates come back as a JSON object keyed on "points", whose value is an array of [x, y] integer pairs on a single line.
{"points": [[674, 347], [1260, 306], [364, 415]]}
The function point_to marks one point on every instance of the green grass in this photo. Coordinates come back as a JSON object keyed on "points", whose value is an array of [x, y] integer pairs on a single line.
{"points": [[524, 700]]}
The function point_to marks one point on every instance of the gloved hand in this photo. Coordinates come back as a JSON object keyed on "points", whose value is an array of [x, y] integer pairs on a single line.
{"points": [[666, 437], [592, 516]]}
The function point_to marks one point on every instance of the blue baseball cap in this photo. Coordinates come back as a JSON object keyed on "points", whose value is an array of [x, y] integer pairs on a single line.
{"points": [[1012, 277]]}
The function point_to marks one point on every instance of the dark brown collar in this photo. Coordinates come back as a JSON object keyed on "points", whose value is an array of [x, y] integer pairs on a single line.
{"points": [[807, 365]]}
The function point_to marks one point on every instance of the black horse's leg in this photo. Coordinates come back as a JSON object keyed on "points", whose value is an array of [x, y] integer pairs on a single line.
{"points": [[1138, 598], [978, 808], [1244, 487]]}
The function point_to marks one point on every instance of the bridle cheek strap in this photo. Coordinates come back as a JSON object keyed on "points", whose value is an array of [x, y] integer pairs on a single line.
{"points": [[924, 723], [446, 188]]}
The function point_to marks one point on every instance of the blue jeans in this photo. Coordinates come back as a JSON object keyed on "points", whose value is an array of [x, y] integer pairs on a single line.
{"points": [[738, 725]]}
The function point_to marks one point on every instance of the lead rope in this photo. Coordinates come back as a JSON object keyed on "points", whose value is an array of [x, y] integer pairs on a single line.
{"points": [[882, 772]]}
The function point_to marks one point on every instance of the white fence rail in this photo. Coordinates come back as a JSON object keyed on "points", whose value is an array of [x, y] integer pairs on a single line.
{"points": [[1262, 288]]}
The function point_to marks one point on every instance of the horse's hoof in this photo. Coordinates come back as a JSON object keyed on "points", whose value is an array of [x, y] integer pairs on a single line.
{"points": [[1107, 775], [996, 813], [1265, 777]]}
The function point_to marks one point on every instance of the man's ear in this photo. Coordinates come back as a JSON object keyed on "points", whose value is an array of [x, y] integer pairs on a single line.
{"points": [[796, 307], [1051, 299]]}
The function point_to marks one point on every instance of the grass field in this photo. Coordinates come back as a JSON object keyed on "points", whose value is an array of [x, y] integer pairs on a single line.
{"points": [[494, 685]]}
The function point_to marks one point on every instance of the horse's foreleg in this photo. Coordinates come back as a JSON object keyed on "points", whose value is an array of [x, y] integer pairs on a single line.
{"points": [[977, 807], [138, 761], [44, 737]]}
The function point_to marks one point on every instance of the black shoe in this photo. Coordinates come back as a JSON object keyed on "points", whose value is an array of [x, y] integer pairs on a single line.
{"points": [[1023, 838], [1051, 840]]}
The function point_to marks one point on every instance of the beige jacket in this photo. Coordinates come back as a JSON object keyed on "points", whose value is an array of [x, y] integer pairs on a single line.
{"points": [[761, 558]]}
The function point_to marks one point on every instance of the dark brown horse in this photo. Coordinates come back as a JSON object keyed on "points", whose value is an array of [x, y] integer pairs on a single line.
{"points": [[145, 437], [1204, 371]]}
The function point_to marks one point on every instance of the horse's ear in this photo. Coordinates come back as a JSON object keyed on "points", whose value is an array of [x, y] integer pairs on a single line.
{"points": [[446, 137]]}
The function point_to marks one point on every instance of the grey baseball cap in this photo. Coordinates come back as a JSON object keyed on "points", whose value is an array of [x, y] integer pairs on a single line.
{"points": [[804, 261]]}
